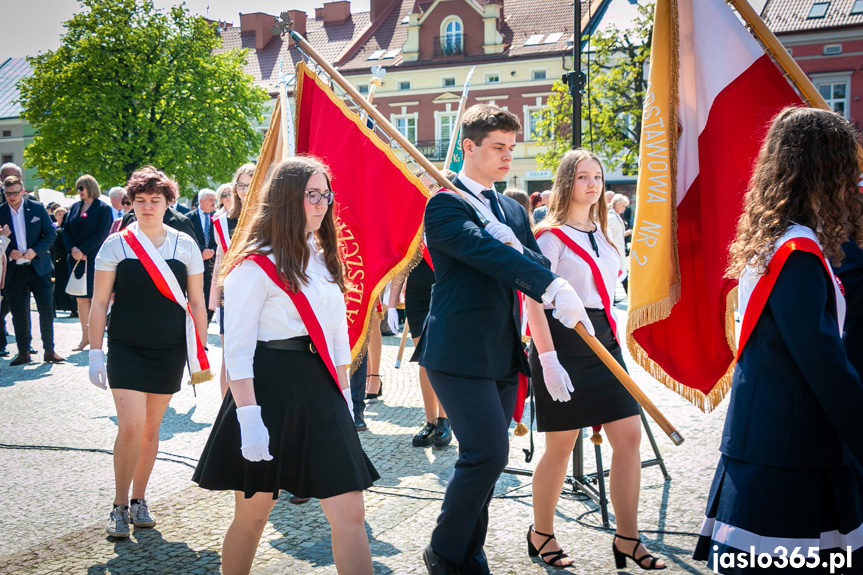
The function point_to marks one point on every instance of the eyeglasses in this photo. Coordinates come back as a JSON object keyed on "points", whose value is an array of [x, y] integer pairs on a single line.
{"points": [[223, 196], [242, 187], [126, 203], [316, 197], [11, 194], [81, 188]]}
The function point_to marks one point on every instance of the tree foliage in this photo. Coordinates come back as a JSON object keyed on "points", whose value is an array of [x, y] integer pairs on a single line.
{"points": [[612, 105], [130, 86]]}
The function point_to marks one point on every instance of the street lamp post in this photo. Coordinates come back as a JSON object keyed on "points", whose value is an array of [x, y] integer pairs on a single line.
{"points": [[576, 79]]}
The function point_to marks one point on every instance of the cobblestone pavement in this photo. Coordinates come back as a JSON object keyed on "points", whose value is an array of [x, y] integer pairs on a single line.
{"points": [[56, 484]]}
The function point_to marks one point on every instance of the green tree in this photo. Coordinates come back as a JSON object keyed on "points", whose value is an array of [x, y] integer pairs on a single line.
{"points": [[131, 85], [611, 108]]}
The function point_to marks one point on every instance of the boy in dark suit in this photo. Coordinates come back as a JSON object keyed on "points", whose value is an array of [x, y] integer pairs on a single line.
{"points": [[471, 343], [29, 269], [205, 235]]}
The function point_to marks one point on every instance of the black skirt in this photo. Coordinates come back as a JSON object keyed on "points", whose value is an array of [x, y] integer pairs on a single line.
{"points": [[598, 397], [418, 297], [315, 448], [146, 332]]}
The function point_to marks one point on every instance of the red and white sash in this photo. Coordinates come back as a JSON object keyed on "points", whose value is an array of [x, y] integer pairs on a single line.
{"points": [[604, 296], [167, 284], [427, 255], [304, 308], [753, 289], [220, 223]]}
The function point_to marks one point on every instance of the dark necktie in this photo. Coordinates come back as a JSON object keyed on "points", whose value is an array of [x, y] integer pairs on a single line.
{"points": [[206, 229], [495, 206]]}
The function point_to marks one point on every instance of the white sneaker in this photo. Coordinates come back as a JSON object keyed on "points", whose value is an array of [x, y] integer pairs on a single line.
{"points": [[141, 516], [118, 522]]}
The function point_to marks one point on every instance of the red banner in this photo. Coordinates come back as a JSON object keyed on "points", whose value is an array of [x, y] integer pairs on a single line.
{"points": [[379, 202]]}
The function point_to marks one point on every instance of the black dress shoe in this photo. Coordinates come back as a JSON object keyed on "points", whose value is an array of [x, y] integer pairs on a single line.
{"points": [[51, 357], [32, 351], [424, 436], [360, 425], [442, 432], [298, 500], [20, 359], [437, 565], [4, 352]]}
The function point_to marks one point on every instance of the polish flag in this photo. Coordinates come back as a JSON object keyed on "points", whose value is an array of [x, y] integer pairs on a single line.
{"points": [[712, 93]]}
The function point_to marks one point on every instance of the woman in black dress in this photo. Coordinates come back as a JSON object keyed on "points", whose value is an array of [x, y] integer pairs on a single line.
{"points": [[59, 254], [285, 422], [147, 335], [85, 228], [573, 237]]}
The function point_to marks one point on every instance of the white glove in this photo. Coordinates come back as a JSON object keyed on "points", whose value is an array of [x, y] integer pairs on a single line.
{"points": [[254, 437], [569, 310], [98, 372], [503, 233], [346, 393], [557, 381], [393, 319]]}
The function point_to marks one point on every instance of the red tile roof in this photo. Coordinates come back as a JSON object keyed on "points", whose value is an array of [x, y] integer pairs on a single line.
{"points": [[792, 15]]}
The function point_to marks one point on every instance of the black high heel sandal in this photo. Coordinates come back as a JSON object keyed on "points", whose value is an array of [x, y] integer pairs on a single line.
{"points": [[553, 556], [620, 556], [380, 392]]}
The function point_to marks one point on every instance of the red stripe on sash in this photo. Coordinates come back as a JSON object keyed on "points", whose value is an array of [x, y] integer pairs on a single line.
{"points": [[220, 233], [164, 289], [427, 256], [765, 284], [594, 270], [301, 302]]}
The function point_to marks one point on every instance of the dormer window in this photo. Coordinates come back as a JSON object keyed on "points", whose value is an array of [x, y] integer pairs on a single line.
{"points": [[818, 10], [451, 38]]}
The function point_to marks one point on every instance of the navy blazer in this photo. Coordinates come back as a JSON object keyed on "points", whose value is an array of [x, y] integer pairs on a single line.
{"points": [[795, 398], [195, 218], [851, 274], [474, 324], [41, 234], [87, 233]]}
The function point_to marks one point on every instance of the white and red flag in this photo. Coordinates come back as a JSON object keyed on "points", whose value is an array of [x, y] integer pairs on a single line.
{"points": [[712, 93]]}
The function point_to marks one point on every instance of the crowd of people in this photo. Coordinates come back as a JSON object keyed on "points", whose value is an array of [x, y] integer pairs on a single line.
{"points": [[292, 408]]}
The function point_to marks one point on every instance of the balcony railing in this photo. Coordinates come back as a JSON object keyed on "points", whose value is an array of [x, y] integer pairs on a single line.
{"points": [[452, 45], [434, 150]]}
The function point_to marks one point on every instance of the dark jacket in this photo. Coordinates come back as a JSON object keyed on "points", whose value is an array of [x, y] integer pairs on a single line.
{"points": [[195, 219], [41, 234], [851, 274], [172, 219], [87, 233], [795, 398], [474, 322]]}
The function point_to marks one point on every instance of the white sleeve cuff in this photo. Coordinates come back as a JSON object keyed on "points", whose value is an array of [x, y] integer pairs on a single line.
{"points": [[553, 288]]}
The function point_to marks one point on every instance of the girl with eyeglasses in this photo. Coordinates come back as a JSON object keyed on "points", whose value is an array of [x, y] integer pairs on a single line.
{"points": [[285, 422], [85, 229]]}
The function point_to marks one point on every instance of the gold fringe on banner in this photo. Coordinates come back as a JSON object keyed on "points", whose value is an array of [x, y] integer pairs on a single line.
{"points": [[201, 376], [520, 429], [414, 252]]}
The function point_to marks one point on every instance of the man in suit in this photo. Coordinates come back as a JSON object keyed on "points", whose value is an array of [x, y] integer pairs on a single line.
{"points": [[6, 170], [116, 195], [180, 208], [29, 268], [206, 236], [471, 344]]}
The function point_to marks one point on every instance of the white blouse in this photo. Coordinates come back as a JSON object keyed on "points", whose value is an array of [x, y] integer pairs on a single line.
{"points": [[256, 309], [568, 265], [177, 245]]}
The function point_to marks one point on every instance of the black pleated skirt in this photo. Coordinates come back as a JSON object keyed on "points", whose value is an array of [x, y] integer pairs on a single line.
{"points": [[315, 448], [598, 397], [418, 297]]}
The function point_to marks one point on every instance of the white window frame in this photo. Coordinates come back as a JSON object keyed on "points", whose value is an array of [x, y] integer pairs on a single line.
{"points": [[438, 126], [528, 112], [836, 78], [444, 34], [400, 88], [533, 72], [394, 118], [831, 50], [489, 75], [443, 80]]}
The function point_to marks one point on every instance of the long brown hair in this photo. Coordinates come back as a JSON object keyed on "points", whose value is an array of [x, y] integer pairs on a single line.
{"points": [[807, 173], [561, 193], [278, 221], [237, 205]]}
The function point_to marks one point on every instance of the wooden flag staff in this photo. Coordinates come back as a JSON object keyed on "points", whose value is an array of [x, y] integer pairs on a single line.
{"points": [[402, 344]]}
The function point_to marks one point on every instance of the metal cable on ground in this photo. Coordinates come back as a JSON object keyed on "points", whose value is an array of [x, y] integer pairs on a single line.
{"points": [[94, 450]]}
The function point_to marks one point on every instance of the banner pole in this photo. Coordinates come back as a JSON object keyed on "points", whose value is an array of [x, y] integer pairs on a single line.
{"points": [[454, 133], [373, 112], [402, 344]]}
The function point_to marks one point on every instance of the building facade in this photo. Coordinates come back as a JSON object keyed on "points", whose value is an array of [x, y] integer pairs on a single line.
{"points": [[15, 132], [825, 38], [517, 49]]}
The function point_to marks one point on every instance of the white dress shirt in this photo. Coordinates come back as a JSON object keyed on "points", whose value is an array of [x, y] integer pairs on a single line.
{"points": [[115, 213], [19, 226], [177, 245], [256, 309], [568, 265], [476, 189]]}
